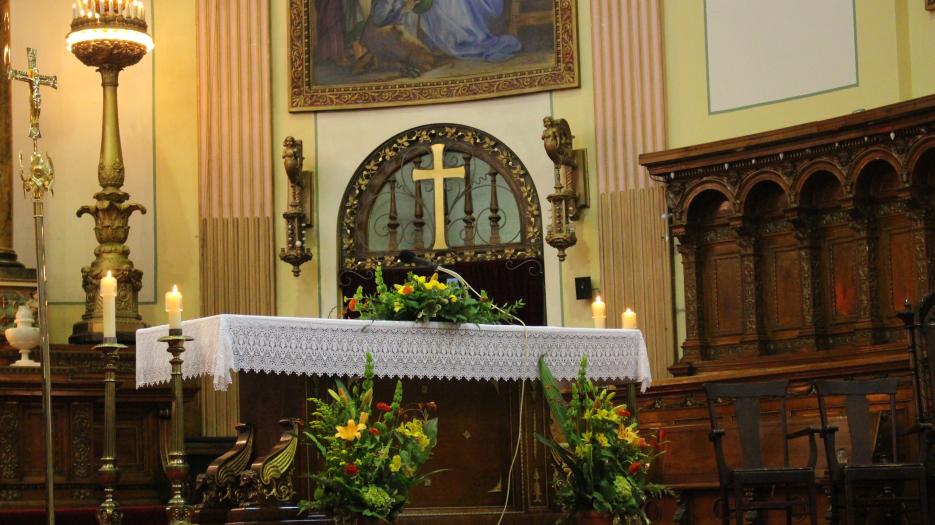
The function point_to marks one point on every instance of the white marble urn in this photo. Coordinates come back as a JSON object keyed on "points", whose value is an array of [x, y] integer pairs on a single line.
{"points": [[24, 337]]}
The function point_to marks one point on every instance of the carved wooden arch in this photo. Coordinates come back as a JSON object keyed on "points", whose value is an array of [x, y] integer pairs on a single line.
{"points": [[389, 157], [864, 160], [755, 179], [916, 152], [812, 168], [712, 185]]}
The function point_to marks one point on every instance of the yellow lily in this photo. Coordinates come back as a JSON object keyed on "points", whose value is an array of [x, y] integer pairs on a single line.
{"points": [[353, 429], [453, 298], [397, 306], [433, 283]]}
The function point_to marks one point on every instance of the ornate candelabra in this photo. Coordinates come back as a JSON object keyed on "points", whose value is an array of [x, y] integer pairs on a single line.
{"points": [[109, 513], [110, 35], [178, 510], [571, 184], [296, 252]]}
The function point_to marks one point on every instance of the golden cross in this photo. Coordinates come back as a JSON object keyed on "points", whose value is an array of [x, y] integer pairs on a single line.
{"points": [[437, 175], [32, 76]]}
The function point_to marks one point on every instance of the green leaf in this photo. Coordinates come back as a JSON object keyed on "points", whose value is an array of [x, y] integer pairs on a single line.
{"points": [[552, 394]]}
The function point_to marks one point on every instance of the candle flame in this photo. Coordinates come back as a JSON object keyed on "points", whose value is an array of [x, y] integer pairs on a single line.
{"points": [[598, 300], [109, 274], [175, 288]]}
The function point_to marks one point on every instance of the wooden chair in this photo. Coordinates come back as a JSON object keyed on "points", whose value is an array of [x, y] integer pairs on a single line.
{"points": [[752, 475], [860, 467]]}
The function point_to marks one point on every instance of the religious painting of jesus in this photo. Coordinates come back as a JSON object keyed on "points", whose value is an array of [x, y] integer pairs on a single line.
{"points": [[347, 54]]}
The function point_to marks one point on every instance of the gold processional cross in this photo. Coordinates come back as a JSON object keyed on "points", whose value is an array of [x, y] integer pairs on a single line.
{"points": [[32, 76], [437, 175], [41, 172]]}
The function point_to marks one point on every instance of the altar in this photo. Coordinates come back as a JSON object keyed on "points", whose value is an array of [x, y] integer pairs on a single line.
{"points": [[482, 377]]}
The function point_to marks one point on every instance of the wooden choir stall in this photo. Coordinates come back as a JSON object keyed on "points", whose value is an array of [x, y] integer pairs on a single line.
{"points": [[475, 374], [799, 248]]}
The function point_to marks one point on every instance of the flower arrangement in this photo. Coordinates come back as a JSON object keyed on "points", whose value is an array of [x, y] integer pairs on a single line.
{"points": [[603, 456], [372, 453], [428, 299]]}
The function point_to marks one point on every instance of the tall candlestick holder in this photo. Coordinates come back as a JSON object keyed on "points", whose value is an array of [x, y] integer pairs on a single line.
{"points": [[110, 36], [109, 513], [178, 511]]}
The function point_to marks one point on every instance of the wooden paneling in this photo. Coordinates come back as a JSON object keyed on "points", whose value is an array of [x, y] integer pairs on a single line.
{"points": [[636, 259], [78, 415], [235, 177]]}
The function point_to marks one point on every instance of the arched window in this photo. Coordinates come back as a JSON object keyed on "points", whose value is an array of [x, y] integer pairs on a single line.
{"points": [[485, 223]]}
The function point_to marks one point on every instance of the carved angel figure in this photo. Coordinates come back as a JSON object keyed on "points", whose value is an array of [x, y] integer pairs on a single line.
{"points": [[292, 159], [557, 139], [41, 174]]}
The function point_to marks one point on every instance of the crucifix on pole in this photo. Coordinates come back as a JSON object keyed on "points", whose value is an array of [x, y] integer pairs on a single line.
{"points": [[37, 182], [35, 80], [437, 175]]}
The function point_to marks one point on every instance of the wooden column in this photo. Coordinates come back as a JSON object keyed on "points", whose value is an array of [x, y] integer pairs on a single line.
{"points": [[235, 176], [752, 339], [809, 268], [923, 242], [691, 348]]}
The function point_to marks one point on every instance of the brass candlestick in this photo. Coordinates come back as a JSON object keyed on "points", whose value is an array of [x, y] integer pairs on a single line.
{"points": [[178, 511], [110, 36], [109, 513]]}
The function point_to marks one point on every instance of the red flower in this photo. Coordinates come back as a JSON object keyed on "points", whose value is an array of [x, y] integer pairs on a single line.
{"points": [[431, 406], [641, 442], [352, 305], [635, 467], [373, 431], [350, 469], [383, 407], [406, 290], [623, 412]]}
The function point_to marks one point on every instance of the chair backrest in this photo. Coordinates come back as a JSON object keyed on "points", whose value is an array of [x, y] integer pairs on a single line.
{"points": [[860, 429], [746, 399]]}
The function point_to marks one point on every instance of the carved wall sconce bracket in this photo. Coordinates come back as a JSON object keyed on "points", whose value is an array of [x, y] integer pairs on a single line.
{"points": [[572, 190], [300, 207]]}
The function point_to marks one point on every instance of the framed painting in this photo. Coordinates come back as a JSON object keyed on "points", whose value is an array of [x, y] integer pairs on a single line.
{"points": [[348, 54]]}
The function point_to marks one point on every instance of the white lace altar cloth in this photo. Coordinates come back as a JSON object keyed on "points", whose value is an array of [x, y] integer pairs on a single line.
{"points": [[332, 347]]}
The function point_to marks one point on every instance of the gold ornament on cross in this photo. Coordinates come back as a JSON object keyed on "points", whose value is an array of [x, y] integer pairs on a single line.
{"points": [[41, 174], [437, 175]]}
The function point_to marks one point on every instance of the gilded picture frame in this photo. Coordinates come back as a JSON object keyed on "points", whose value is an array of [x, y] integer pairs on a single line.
{"points": [[355, 54]]}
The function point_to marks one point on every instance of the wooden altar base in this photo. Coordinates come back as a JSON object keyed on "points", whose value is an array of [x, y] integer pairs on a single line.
{"points": [[478, 423]]}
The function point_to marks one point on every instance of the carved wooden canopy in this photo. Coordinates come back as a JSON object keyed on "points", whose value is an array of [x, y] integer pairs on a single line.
{"points": [[490, 213]]}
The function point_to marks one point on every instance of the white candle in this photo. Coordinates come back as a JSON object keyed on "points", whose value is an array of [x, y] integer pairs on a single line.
{"points": [[74, 11], [628, 319], [174, 308], [599, 312], [109, 302]]}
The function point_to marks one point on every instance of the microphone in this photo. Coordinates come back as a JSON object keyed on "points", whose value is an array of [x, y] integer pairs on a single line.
{"points": [[408, 257]]}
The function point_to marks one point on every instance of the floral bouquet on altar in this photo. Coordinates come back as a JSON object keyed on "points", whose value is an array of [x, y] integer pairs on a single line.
{"points": [[428, 299], [603, 456], [371, 454]]}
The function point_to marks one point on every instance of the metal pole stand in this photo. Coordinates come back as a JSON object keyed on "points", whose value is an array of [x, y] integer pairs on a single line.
{"points": [[178, 511]]}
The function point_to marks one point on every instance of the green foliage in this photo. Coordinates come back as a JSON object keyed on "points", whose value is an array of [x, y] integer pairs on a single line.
{"points": [[372, 452], [428, 299], [604, 459]]}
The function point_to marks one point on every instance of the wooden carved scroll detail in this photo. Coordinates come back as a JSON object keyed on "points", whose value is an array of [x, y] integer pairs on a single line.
{"points": [[269, 481], [218, 486]]}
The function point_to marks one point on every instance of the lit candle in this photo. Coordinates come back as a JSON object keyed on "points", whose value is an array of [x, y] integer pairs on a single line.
{"points": [[74, 11], [109, 302], [599, 312], [174, 308], [628, 319]]}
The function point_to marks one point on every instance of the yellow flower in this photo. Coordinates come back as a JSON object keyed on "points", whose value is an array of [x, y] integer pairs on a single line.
{"points": [[602, 440], [420, 279], [625, 433], [586, 437], [453, 298], [397, 306], [423, 441], [396, 463], [403, 289], [353, 429], [433, 283]]}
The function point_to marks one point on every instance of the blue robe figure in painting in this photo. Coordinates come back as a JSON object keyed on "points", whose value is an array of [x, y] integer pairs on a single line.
{"points": [[460, 30]]}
